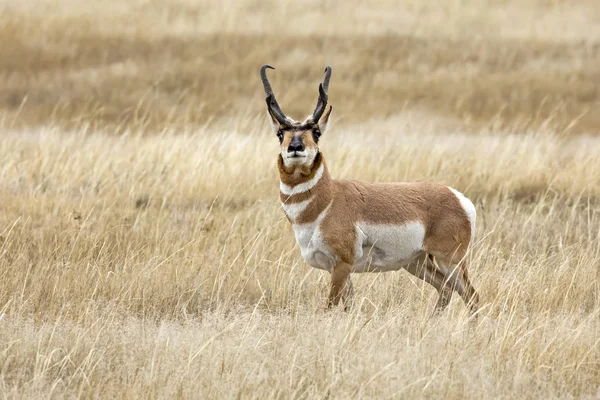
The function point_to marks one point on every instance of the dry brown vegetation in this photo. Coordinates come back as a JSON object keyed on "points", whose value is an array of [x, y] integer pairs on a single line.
{"points": [[159, 66], [143, 252]]}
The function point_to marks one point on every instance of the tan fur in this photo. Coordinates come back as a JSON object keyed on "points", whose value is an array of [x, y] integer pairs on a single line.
{"points": [[296, 198], [339, 283], [296, 175], [428, 209], [447, 227], [448, 230]]}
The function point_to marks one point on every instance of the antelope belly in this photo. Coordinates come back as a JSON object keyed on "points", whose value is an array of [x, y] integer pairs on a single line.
{"points": [[387, 247]]}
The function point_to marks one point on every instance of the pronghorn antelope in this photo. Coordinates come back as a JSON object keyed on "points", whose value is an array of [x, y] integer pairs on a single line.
{"points": [[345, 226]]}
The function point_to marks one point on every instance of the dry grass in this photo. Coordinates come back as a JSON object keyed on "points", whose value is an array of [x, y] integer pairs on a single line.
{"points": [[161, 265], [157, 66]]}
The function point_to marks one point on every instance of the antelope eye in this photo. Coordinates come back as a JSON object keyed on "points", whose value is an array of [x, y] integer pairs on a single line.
{"points": [[280, 136], [317, 134]]}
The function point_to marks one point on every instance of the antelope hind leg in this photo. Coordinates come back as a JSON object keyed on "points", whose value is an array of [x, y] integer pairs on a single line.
{"points": [[423, 268], [458, 277]]}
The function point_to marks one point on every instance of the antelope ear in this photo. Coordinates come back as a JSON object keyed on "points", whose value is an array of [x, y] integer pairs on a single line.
{"points": [[324, 121], [274, 123]]}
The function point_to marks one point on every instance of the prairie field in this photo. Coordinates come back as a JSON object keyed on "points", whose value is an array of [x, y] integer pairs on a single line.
{"points": [[143, 249]]}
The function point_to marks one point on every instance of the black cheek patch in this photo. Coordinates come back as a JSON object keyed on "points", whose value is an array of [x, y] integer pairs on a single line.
{"points": [[317, 157]]}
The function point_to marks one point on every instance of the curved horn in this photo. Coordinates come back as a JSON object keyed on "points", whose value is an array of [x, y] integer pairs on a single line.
{"points": [[323, 96], [272, 104]]}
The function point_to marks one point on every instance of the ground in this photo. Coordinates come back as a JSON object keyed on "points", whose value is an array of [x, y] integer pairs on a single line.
{"points": [[143, 251]]}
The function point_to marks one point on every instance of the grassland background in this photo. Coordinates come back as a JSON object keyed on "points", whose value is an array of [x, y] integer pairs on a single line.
{"points": [[143, 252]]}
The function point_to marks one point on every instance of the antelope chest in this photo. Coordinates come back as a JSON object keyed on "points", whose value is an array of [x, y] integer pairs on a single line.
{"points": [[313, 247], [309, 237]]}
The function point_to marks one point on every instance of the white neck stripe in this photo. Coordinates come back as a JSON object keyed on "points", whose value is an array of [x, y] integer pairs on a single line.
{"points": [[294, 210], [303, 187]]}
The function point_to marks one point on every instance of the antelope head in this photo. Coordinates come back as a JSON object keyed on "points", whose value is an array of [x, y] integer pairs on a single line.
{"points": [[299, 141]]}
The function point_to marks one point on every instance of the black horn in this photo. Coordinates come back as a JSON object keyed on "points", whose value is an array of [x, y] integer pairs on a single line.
{"points": [[323, 97], [272, 104]]}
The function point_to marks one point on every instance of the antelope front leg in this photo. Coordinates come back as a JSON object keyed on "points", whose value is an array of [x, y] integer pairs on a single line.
{"points": [[339, 279]]}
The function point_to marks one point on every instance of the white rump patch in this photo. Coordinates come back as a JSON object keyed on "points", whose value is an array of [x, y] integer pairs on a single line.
{"points": [[469, 208], [384, 247], [303, 187], [294, 210]]}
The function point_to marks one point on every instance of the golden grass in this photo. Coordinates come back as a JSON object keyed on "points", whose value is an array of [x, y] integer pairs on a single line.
{"points": [[156, 66], [158, 263], [162, 266]]}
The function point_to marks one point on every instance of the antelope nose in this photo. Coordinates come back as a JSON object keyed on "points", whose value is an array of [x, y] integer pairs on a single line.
{"points": [[295, 146]]}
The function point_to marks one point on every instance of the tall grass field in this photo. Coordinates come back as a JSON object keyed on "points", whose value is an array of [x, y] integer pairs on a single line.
{"points": [[143, 249]]}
